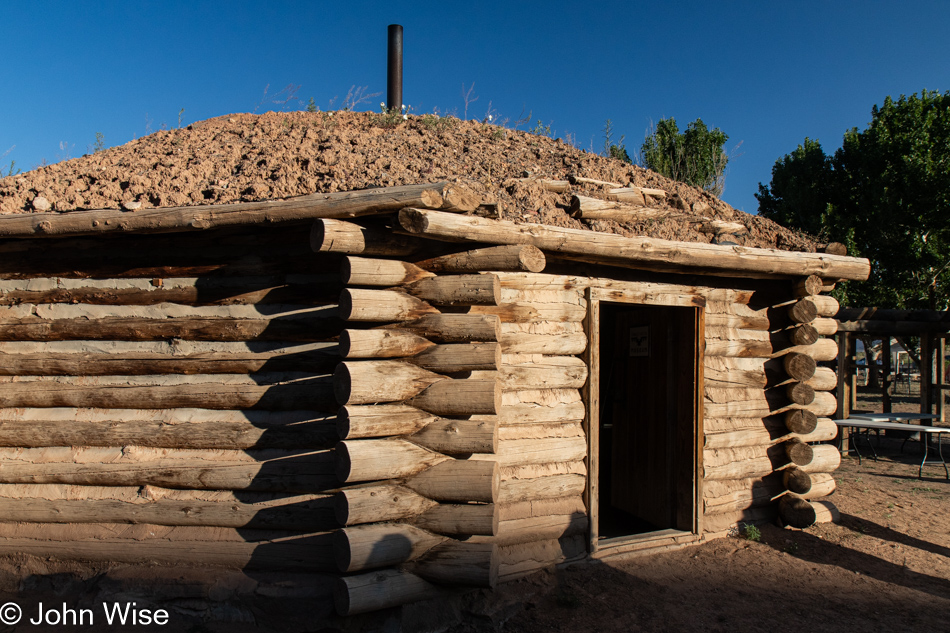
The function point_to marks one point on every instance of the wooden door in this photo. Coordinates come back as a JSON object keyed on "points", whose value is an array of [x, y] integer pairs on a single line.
{"points": [[648, 395]]}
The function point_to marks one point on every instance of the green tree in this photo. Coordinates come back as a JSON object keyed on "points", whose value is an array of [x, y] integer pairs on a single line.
{"points": [[886, 194], [695, 156]]}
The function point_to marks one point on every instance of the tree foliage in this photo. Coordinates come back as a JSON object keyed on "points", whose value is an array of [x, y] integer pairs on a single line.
{"points": [[885, 193], [695, 156]]}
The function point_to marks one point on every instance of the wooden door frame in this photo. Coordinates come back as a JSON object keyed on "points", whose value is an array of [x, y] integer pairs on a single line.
{"points": [[662, 538]]}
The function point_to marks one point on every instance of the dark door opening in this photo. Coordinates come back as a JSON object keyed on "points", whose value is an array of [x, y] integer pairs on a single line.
{"points": [[648, 399]]}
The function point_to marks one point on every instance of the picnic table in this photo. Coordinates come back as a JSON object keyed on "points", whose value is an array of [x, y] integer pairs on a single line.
{"points": [[892, 422]]}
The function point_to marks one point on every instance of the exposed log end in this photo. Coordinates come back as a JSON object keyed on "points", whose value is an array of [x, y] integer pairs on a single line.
{"points": [[800, 393], [798, 452], [810, 285], [380, 306], [804, 311], [801, 513], [804, 334], [836, 248], [801, 421], [413, 221], [797, 480], [799, 367]]}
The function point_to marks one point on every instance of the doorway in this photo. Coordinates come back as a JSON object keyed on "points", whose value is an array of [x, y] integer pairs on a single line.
{"points": [[647, 462]]}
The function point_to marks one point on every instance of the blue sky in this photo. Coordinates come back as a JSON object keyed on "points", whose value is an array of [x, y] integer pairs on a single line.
{"points": [[768, 74]]}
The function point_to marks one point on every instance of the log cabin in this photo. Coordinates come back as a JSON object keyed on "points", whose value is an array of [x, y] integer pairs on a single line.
{"points": [[392, 392]]}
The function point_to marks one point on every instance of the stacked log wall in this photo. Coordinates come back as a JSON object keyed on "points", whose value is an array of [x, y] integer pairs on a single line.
{"points": [[169, 399], [768, 408]]}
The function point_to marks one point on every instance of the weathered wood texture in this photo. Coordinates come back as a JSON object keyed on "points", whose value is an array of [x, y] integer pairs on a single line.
{"points": [[178, 219], [617, 250]]}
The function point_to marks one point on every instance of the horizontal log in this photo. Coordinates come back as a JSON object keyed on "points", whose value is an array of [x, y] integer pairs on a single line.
{"points": [[339, 236], [363, 271], [380, 502], [374, 460], [824, 379], [737, 322], [58, 503], [759, 436], [825, 430], [303, 554], [295, 471], [451, 437], [321, 358], [728, 521], [568, 522], [722, 227], [533, 312], [203, 291], [797, 480], [750, 403], [175, 428], [630, 195], [549, 344], [463, 519], [826, 306], [740, 349], [526, 482], [523, 559], [454, 197], [557, 186], [455, 328], [810, 285], [454, 358], [460, 397], [456, 563], [517, 257], [377, 502], [715, 376], [580, 180], [824, 349], [361, 421], [614, 249], [381, 306], [371, 381], [894, 316], [741, 467], [822, 485], [892, 328], [737, 495], [458, 437], [800, 513], [380, 545], [826, 459], [308, 394], [346, 204], [381, 343], [319, 325], [538, 451], [825, 326], [457, 290], [381, 589], [458, 480]]}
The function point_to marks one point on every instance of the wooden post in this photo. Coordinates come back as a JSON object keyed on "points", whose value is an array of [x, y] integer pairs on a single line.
{"points": [[886, 371], [853, 375], [844, 388], [926, 372], [941, 376]]}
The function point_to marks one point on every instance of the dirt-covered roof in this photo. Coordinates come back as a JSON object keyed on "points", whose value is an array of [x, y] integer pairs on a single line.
{"points": [[246, 157]]}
